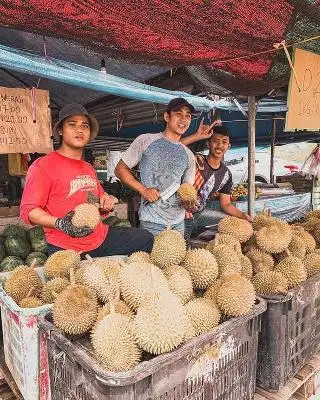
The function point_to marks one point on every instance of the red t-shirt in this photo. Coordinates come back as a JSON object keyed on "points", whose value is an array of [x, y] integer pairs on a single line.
{"points": [[57, 184]]}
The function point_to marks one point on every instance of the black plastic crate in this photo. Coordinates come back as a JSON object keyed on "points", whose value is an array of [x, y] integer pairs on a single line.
{"points": [[219, 365], [290, 334]]}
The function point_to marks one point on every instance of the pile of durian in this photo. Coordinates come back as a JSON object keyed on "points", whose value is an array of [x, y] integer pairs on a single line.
{"points": [[153, 303]]}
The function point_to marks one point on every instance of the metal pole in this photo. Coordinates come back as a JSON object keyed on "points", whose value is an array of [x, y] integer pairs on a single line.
{"points": [[251, 154], [273, 140]]}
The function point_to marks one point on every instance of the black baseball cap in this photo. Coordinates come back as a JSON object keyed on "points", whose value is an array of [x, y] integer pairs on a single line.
{"points": [[179, 102]]}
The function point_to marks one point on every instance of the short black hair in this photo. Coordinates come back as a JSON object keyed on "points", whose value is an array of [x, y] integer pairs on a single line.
{"points": [[177, 103], [221, 130]]}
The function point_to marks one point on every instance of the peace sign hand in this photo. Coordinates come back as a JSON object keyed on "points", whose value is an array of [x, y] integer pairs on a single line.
{"points": [[206, 131]]}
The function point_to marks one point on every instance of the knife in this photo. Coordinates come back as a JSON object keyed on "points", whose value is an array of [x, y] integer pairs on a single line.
{"points": [[168, 192]]}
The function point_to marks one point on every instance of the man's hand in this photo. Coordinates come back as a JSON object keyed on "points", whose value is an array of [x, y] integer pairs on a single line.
{"points": [[107, 202], [65, 225], [190, 206], [150, 194], [206, 131], [247, 217]]}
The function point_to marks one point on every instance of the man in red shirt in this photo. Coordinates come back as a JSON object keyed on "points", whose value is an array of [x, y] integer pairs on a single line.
{"points": [[61, 180]]}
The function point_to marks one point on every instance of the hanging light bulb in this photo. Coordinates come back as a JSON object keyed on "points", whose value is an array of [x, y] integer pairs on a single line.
{"points": [[103, 66]]}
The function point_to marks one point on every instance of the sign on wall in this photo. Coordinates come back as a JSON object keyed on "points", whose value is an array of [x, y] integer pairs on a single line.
{"points": [[25, 121], [304, 102]]}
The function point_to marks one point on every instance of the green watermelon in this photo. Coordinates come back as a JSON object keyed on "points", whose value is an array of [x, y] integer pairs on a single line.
{"points": [[37, 239], [10, 263], [2, 252], [16, 246], [15, 230], [38, 257]]}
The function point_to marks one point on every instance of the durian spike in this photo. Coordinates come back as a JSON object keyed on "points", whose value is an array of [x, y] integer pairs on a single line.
{"points": [[89, 258], [72, 277], [287, 252], [30, 292]]}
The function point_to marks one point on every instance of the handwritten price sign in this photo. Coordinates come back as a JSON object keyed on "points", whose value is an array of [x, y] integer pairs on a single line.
{"points": [[25, 121], [304, 101]]}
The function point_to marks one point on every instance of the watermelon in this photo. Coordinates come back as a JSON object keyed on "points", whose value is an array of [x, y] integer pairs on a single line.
{"points": [[37, 239], [16, 246], [10, 263], [2, 252], [38, 257], [15, 230]]}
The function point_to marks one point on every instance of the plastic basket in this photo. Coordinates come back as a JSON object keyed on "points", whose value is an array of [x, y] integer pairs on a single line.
{"points": [[21, 342], [219, 365], [290, 334]]}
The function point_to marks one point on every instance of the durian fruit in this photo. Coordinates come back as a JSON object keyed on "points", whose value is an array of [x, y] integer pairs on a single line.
{"points": [[260, 260], [138, 280], [237, 227], [246, 267], [227, 240], [30, 302], [274, 238], [202, 267], [311, 224], [270, 283], [293, 269], [316, 232], [308, 239], [161, 323], [20, 281], [75, 309], [61, 262], [313, 214], [86, 214], [260, 220], [212, 292], [169, 248], [297, 247], [78, 275], [250, 244], [312, 263], [120, 307], [51, 288], [204, 315], [236, 296], [102, 276], [114, 343], [227, 259], [180, 282], [187, 192], [139, 256]]}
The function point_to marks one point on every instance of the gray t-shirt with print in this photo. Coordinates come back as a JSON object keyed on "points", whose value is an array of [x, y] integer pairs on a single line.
{"points": [[162, 164]]}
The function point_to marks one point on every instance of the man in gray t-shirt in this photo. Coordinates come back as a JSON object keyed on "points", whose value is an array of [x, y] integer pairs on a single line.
{"points": [[165, 163]]}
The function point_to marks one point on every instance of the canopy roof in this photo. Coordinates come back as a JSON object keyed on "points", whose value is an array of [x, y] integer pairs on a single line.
{"points": [[232, 41]]}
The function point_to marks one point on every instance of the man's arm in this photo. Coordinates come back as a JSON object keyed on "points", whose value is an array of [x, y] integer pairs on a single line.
{"points": [[124, 173], [38, 216], [230, 209], [203, 132]]}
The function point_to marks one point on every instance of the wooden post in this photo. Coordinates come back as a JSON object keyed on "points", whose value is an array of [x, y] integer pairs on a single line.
{"points": [[273, 140], [251, 154]]}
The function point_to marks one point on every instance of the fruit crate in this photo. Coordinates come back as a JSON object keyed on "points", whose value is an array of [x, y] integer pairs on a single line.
{"points": [[21, 342], [219, 365], [290, 334]]}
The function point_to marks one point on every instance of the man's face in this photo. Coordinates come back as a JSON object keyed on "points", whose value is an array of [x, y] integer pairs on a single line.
{"points": [[178, 121], [218, 145], [76, 131]]}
